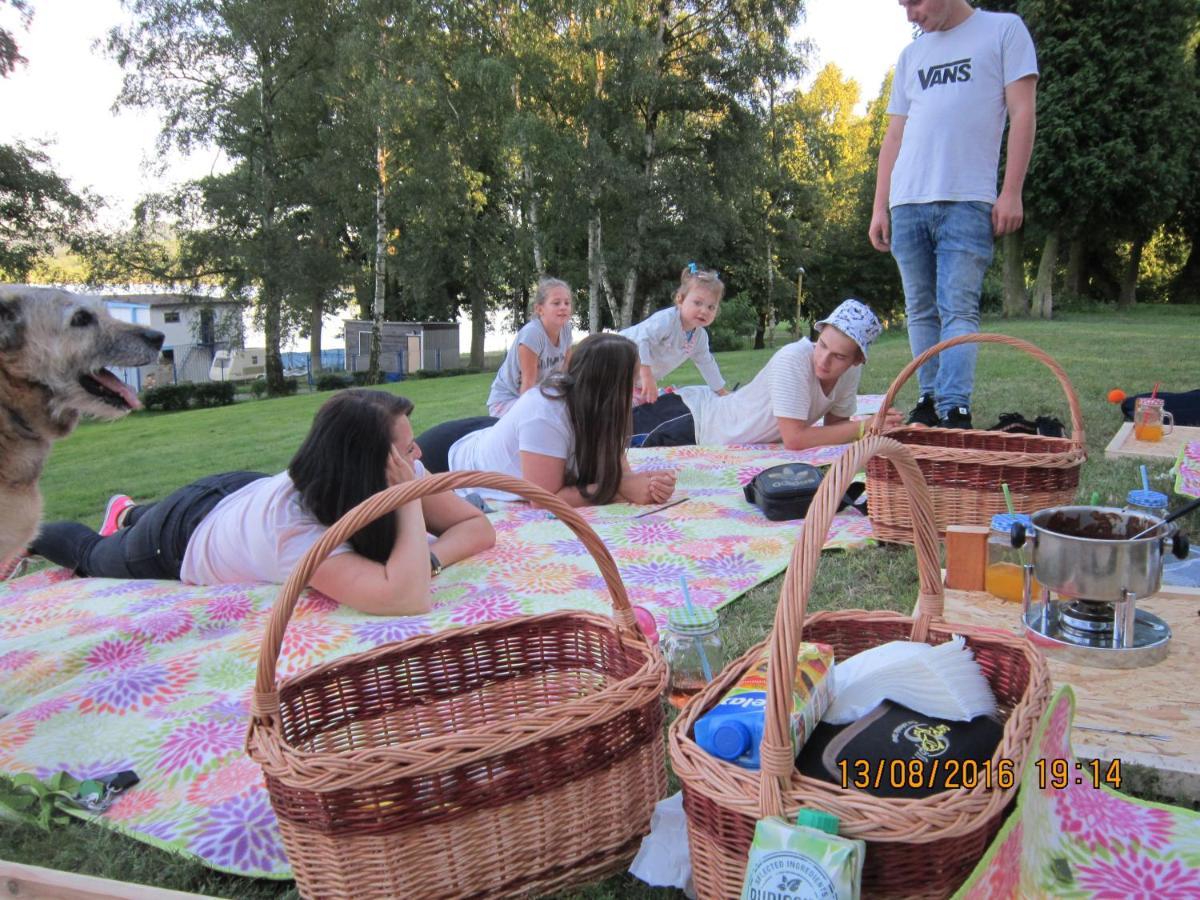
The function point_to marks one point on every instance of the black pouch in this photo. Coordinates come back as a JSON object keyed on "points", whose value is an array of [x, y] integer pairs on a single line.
{"points": [[785, 492], [879, 754]]}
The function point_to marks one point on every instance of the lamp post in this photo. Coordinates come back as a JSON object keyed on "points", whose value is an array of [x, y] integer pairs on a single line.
{"points": [[799, 300]]}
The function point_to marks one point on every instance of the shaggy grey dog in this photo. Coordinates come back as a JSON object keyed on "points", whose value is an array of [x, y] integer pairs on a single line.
{"points": [[54, 347]]}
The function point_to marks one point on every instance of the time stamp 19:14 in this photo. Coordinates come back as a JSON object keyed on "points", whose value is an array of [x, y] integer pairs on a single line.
{"points": [[968, 774]]}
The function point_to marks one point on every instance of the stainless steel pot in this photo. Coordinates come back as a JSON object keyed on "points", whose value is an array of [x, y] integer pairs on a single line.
{"points": [[1085, 551]]}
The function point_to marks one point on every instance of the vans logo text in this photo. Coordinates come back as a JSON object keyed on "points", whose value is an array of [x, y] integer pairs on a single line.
{"points": [[945, 73]]}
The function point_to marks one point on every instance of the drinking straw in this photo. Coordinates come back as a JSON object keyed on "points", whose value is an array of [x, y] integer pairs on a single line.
{"points": [[687, 601], [1007, 498], [1154, 393], [1145, 479]]}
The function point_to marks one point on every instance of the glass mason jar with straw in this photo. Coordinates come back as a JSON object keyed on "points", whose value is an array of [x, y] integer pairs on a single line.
{"points": [[1146, 502], [693, 648], [1005, 573]]}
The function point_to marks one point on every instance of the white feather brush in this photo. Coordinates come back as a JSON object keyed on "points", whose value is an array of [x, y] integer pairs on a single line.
{"points": [[943, 681]]}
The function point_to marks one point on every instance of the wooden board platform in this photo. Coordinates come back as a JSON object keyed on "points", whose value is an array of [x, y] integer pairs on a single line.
{"points": [[1162, 699], [1124, 444]]}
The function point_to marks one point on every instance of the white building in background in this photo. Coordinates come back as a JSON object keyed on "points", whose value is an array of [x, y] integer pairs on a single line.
{"points": [[194, 329]]}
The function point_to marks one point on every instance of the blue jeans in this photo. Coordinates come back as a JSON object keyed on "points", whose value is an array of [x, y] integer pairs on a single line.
{"points": [[943, 250]]}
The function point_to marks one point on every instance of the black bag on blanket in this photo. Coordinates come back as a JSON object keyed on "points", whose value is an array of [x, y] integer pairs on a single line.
{"points": [[785, 492]]}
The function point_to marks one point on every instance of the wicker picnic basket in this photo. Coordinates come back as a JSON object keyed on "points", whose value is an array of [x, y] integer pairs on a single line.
{"points": [[512, 757], [965, 468], [915, 847]]}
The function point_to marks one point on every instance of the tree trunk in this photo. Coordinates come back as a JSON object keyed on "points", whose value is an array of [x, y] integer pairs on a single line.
{"points": [[478, 320], [1043, 287], [314, 335], [767, 319], [272, 293], [1016, 303], [1129, 279], [593, 263], [374, 376], [539, 257], [1073, 285]]}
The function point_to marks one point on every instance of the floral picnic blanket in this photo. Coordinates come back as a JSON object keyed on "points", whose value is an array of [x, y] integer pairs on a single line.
{"points": [[1187, 470], [102, 675], [1074, 840]]}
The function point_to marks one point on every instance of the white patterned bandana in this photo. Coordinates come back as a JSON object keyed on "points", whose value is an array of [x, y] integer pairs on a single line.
{"points": [[857, 321]]}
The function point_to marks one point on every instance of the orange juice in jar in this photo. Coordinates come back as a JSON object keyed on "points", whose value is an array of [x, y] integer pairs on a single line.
{"points": [[1005, 573], [1150, 420]]}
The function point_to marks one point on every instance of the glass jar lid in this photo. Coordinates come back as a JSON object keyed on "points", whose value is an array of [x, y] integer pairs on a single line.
{"points": [[1147, 499], [1005, 521], [696, 620]]}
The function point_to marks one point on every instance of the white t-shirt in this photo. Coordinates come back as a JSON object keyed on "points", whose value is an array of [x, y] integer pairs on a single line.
{"points": [[506, 387], [257, 533], [950, 86], [663, 345], [535, 423], [785, 387]]}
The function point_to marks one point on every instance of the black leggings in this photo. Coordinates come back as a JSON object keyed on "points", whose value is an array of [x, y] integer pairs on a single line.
{"points": [[667, 422], [436, 442], [153, 540]]}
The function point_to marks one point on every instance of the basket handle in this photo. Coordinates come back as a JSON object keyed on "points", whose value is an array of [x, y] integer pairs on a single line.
{"points": [[265, 701], [777, 753], [1077, 434]]}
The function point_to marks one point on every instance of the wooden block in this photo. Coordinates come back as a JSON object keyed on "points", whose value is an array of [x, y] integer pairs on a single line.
{"points": [[966, 557]]}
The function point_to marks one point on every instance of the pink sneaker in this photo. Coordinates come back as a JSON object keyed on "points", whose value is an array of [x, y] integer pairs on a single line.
{"points": [[117, 504]]}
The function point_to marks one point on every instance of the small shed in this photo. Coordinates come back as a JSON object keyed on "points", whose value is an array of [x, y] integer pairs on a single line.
{"points": [[405, 347]]}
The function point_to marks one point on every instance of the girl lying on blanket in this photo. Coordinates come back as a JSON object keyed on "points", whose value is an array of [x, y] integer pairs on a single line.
{"points": [[802, 383], [568, 437], [540, 349], [246, 526], [673, 335]]}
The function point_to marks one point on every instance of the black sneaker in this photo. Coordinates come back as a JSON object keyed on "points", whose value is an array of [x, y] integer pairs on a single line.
{"points": [[958, 417], [924, 413]]}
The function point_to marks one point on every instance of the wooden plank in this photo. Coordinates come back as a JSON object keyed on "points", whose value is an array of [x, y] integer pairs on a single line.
{"points": [[36, 883], [1125, 445], [1160, 700]]}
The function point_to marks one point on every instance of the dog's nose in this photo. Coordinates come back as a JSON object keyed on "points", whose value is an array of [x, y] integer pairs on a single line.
{"points": [[153, 338]]}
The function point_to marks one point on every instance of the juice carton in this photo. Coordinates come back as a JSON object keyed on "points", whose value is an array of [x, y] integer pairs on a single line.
{"points": [[733, 729], [805, 860]]}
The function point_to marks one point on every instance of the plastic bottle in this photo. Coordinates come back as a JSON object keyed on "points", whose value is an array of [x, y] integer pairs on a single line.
{"points": [[733, 729], [807, 859]]}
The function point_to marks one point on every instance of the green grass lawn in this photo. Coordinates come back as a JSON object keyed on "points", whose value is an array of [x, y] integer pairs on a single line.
{"points": [[148, 454]]}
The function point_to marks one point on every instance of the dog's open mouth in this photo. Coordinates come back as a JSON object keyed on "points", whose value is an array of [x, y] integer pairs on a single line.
{"points": [[109, 388]]}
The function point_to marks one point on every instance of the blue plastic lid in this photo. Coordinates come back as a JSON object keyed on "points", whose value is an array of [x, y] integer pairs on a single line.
{"points": [[730, 740], [1005, 521], [1147, 499]]}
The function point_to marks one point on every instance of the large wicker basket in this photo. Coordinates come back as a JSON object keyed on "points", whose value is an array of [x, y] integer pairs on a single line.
{"points": [[512, 757], [965, 468], [915, 848]]}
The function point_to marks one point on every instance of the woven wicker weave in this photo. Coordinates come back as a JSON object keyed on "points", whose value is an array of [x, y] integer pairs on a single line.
{"points": [[512, 757], [915, 848], [965, 468]]}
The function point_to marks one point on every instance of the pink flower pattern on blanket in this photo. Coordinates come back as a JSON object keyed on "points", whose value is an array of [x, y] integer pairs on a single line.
{"points": [[103, 675], [1086, 843], [1187, 478]]}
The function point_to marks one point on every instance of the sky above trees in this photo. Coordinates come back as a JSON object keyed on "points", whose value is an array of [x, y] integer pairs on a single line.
{"points": [[65, 92]]}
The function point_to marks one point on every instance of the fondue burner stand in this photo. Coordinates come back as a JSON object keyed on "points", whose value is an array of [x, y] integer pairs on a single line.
{"points": [[1091, 574], [1095, 632]]}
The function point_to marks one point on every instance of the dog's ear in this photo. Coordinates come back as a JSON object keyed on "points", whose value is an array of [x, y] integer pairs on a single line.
{"points": [[12, 325]]}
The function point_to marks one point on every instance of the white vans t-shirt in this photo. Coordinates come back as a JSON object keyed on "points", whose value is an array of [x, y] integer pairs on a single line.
{"points": [[535, 423], [950, 86], [785, 387]]}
